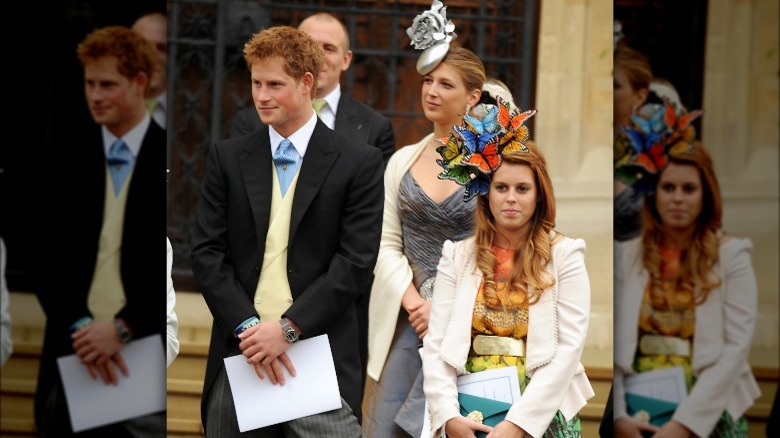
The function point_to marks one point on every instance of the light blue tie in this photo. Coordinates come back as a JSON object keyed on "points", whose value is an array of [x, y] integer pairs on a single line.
{"points": [[120, 161], [286, 162]]}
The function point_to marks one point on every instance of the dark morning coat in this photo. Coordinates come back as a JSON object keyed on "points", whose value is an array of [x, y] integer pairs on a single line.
{"points": [[334, 237], [358, 121]]}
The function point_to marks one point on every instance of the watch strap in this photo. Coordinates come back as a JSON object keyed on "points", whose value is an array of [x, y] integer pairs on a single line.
{"points": [[121, 329], [289, 333]]}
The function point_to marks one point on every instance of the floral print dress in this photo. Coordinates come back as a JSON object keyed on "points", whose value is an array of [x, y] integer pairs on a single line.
{"points": [[506, 314]]}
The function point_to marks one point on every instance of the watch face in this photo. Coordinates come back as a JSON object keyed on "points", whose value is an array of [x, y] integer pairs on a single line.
{"points": [[291, 335]]}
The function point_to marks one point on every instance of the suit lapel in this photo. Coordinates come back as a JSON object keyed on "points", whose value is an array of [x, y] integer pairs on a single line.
{"points": [[149, 172], [349, 122], [320, 155], [255, 161]]}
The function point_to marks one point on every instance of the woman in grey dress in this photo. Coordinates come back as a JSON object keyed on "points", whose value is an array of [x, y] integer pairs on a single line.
{"points": [[421, 212], [632, 78]]}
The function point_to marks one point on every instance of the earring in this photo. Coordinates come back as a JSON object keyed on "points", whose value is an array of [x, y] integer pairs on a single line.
{"points": [[468, 108]]}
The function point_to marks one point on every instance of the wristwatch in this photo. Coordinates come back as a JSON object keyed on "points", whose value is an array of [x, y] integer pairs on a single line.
{"points": [[121, 329], [289, 333]]}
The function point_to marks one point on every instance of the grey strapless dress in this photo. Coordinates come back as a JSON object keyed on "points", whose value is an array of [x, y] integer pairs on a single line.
{"points": [[396, 404], [425, 225]]}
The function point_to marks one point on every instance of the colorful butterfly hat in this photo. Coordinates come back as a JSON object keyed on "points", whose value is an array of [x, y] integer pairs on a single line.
{"points": [[474, 151], [644, 151]]}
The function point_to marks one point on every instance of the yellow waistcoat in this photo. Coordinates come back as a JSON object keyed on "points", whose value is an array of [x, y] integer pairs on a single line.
{"points": [[106, 293], [273, 295]]}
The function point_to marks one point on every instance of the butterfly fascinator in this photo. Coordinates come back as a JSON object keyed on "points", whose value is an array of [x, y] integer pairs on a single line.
{"points": [[475, 149], [648, 142], [431, 32]]}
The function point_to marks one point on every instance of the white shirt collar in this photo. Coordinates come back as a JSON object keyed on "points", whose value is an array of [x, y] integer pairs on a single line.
{"points": [[300, 138], [132, 139], [333, 99], [328, 112], [163, 99]]}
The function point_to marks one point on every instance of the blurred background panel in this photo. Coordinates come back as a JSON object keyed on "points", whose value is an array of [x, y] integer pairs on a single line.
{"points": [[45, 99], [723, 56]]}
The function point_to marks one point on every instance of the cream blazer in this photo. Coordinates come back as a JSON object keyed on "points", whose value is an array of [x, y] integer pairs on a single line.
{"points": [[723, 331], [392, 273], [557, 325]]}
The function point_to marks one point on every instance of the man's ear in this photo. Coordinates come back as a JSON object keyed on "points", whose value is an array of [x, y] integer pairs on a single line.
{"points": [[308, 82], [347, 60], [142, 81]]}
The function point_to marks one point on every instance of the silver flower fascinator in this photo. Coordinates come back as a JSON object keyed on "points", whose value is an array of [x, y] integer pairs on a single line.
{"points": [[431, 32], [617, 34]]}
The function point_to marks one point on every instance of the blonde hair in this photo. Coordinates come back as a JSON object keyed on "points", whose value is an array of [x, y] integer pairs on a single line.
{"points": [[532, 256], [634, 65], [468, 65]]}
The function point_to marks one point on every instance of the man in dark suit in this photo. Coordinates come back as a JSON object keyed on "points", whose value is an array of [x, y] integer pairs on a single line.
{"points": [[287, 234], [154, 27], [341, 112], [102, 285]]}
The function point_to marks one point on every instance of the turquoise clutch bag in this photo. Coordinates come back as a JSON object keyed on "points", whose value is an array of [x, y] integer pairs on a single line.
{"points": [[660, 411], [493, 411]]}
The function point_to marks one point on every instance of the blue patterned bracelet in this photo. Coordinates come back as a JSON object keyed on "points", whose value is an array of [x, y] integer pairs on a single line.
{"points": [[80, 324], [249, 322]]}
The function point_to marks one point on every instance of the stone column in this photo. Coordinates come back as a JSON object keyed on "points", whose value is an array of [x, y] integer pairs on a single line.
{"points": [[740, 126], [574, 129]]}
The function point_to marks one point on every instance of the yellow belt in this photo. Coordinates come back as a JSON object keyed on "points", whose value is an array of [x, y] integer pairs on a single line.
{"points": [[484, 345], [658, 344]]}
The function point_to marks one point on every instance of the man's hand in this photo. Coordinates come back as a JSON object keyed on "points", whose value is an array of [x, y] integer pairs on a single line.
{"points": [[96, 343], [274, 370], [264, 347], [263, 343], [106, 370]]}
